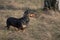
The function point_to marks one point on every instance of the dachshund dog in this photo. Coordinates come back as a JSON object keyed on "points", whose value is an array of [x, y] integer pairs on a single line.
{"points": [[20, 23]]}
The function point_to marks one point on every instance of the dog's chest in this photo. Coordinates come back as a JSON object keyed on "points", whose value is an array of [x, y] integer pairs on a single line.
{"points": [[24, 26]]}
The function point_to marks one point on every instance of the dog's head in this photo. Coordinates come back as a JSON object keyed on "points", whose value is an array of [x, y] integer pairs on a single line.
{"points": [[30, 13]]}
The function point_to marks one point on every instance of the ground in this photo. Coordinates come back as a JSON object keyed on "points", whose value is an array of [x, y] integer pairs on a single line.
{"points": [[45, 27]]}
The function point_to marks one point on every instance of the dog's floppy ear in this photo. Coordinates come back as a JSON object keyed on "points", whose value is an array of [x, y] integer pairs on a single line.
{"points": [[26, 12]]}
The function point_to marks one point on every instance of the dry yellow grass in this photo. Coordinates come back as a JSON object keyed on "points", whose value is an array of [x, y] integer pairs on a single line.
{"points": [[45, 27]]}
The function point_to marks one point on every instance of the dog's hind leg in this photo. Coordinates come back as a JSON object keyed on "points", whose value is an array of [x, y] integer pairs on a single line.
{"points": [[7, 27]]}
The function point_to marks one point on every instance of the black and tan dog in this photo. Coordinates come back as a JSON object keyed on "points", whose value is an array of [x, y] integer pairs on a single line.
{"points": [[20, 23]]}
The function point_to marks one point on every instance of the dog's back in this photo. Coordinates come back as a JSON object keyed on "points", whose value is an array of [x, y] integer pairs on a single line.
{"points": [[12, 20]]}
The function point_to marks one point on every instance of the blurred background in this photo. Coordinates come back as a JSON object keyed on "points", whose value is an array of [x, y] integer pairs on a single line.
{"points": [[45, 27]]}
